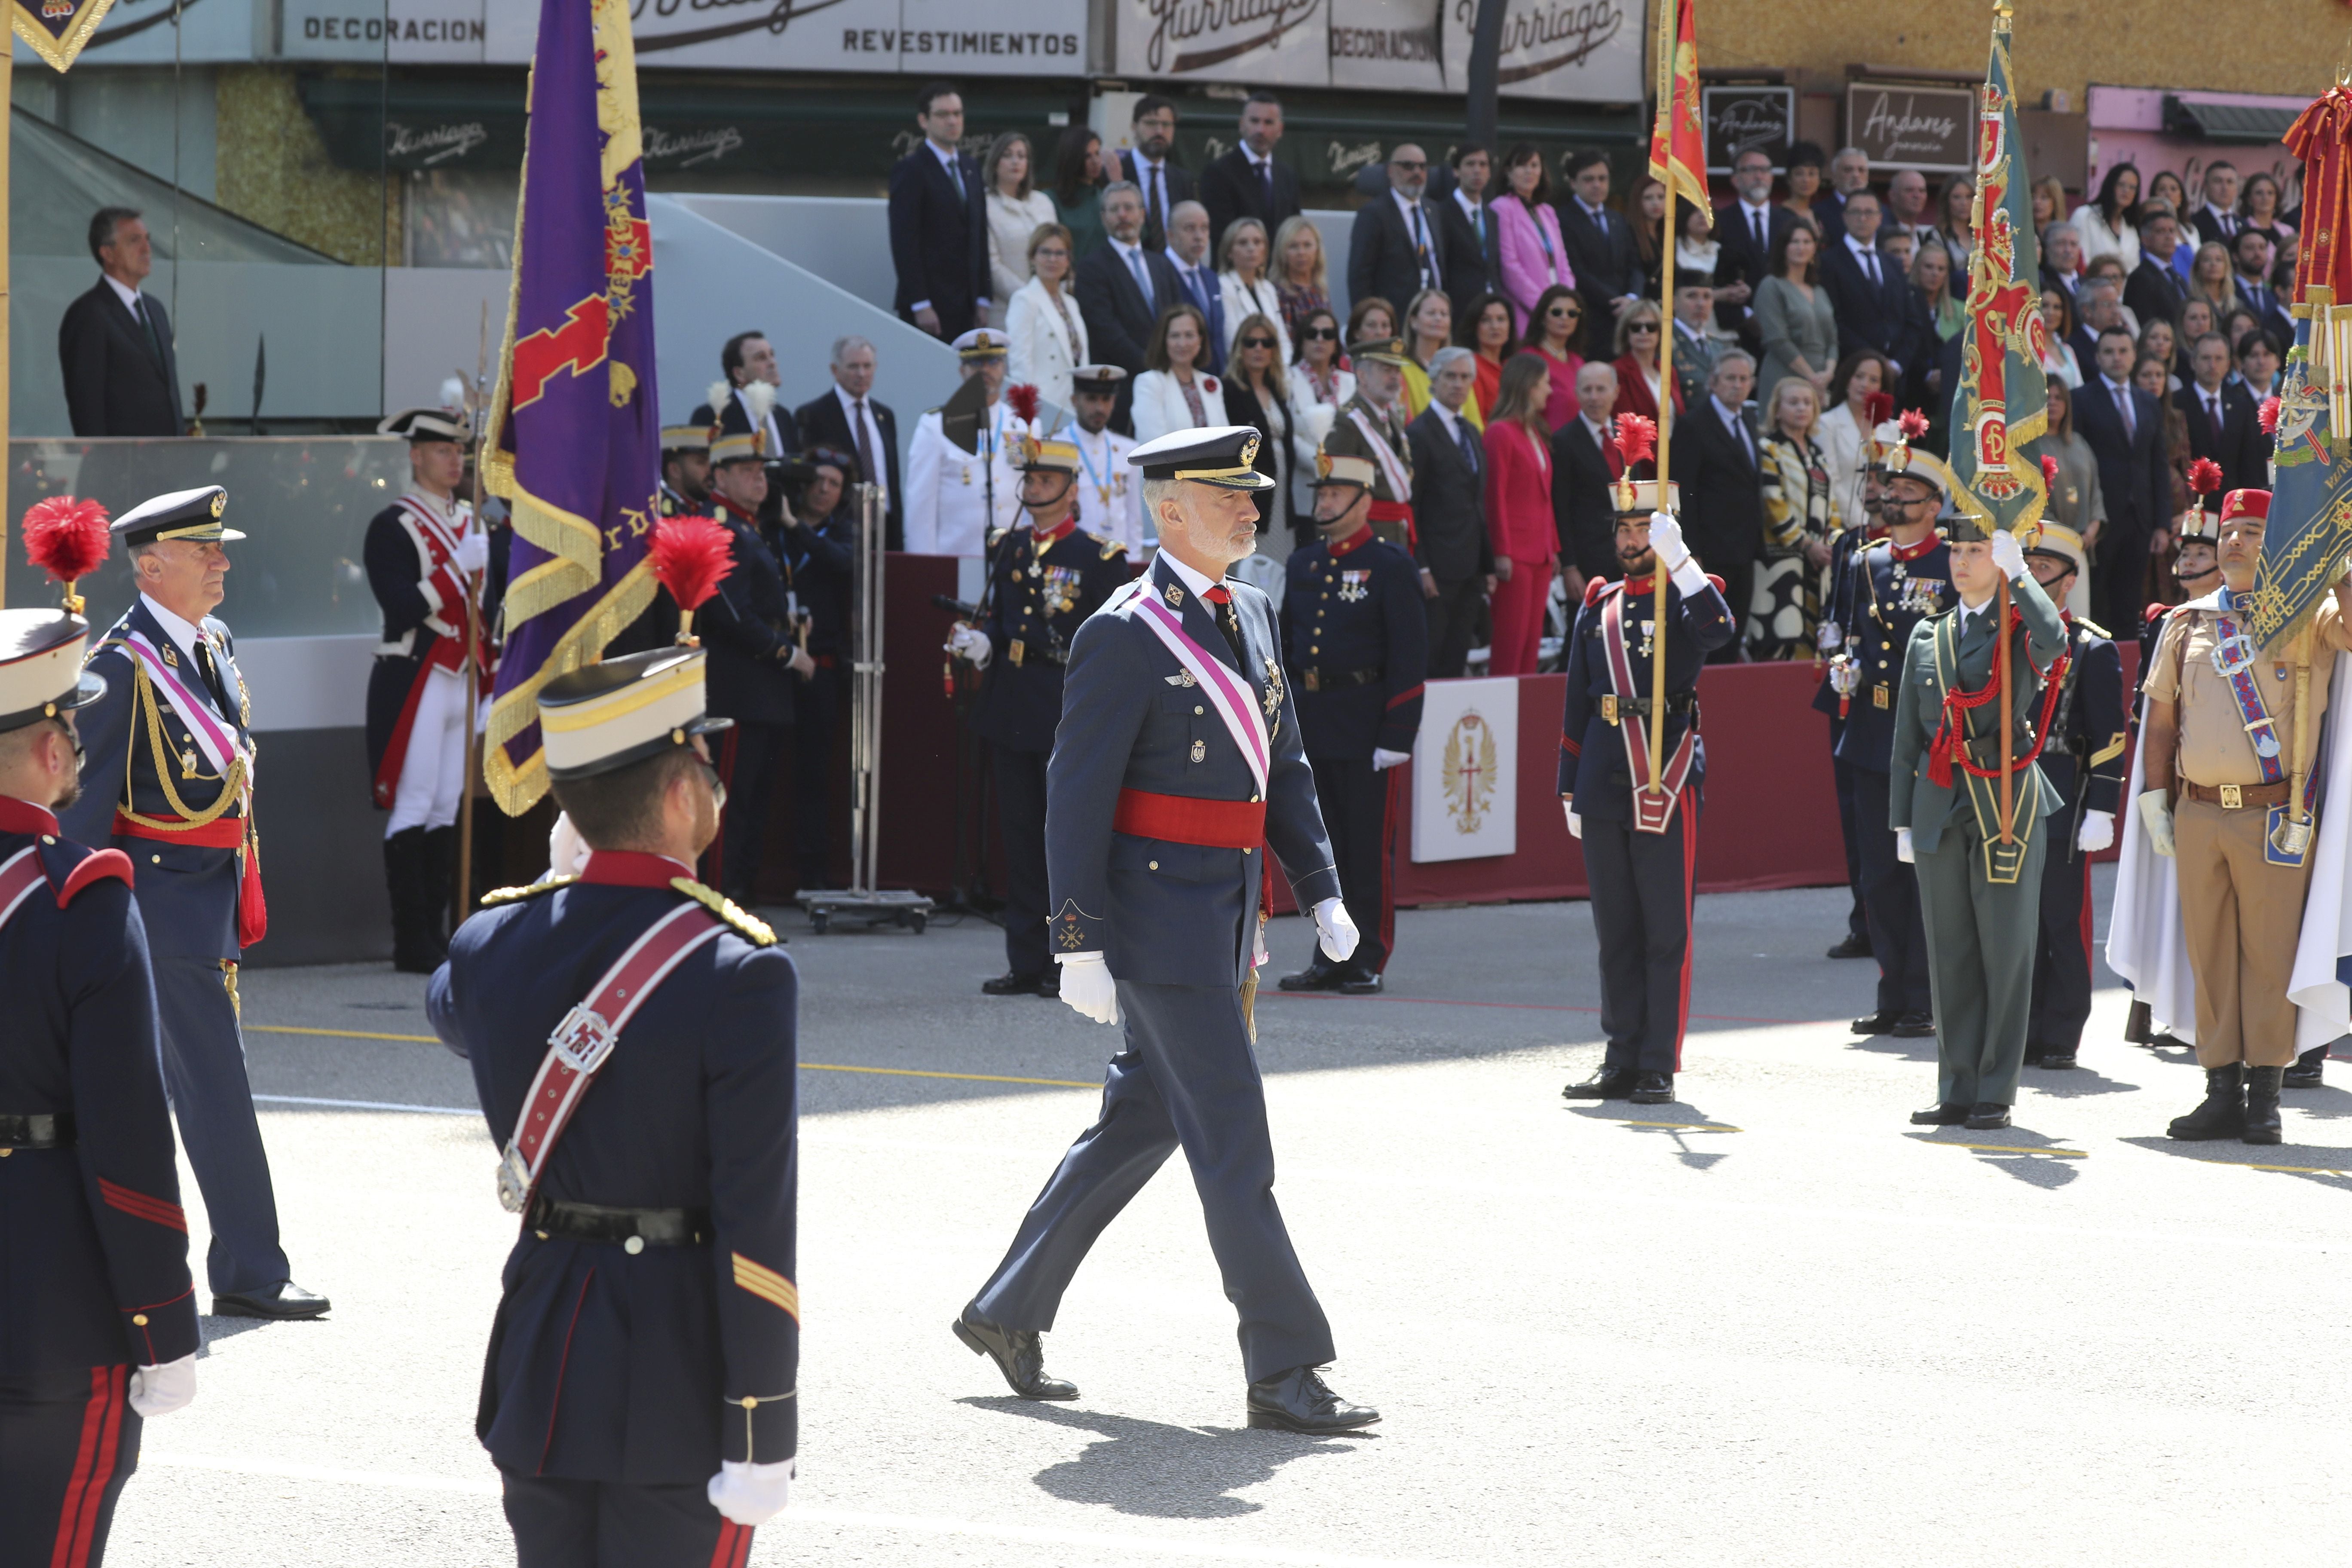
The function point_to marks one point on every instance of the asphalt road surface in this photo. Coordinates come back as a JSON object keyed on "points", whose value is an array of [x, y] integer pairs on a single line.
{"points": [[1771, 1324]]}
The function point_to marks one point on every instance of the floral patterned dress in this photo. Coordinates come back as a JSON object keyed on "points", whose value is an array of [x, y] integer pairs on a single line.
{"points": [[1799, 509]]}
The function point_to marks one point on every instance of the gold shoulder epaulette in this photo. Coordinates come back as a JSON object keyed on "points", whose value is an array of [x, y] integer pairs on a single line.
{"points": [[1110, 547], [996, 535], [496, 895], [2094, 627], [750, 927]]}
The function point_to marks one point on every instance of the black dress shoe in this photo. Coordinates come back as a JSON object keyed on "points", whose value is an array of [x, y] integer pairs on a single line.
{"points": [[1914, 1027], [1609, 1083], [1009, 984], [1049, 984], [1852, 947], [2057, 1060], [284, 1300], [1300, 1401], [2168, 1041], [2307, 1072], [1652, 1088], [1941, 1114], [1876, 1023], [1019, 1355], [1321, 975], [2032, 1057], [1358, 979], [1987, 1117]]}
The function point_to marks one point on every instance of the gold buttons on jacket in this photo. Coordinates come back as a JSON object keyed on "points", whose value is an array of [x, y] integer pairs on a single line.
{"points": [[1155, 865], [1198, 709], [138, 1319], [633, 1245]]}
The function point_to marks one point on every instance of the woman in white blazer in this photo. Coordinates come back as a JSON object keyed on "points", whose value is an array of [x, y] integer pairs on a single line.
{"points": [[1242, 278], [1015, 208], [1045, 335], [1319, 386], [1173, 395]]}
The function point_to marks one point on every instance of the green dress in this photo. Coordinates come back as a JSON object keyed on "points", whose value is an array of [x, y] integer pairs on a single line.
{"points": [[1083, 219]]}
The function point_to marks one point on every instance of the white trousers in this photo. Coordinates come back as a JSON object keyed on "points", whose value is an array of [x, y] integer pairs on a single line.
{"points": [[432, 774]]}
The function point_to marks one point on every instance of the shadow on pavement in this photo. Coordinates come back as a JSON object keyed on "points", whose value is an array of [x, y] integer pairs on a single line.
{"points": [[211, 1331], [2034, 1158], [1918, 1050], [1680, 1123], [2328, 1166], [2073, 1083], [1159, 1470]]}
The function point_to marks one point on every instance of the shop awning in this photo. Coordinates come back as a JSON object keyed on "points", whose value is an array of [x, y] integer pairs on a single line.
{"points": [[2241, 122]]}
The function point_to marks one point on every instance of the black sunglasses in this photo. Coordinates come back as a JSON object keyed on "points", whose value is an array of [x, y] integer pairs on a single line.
{"points": [[1564, 313], [1257, 343], [1320, 334], [1642, 327]]}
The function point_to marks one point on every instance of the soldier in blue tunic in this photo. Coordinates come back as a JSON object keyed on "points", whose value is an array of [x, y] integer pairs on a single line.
{"points": [[1641, 846], [1830, 640], [170, 770], [1048, 577], [1355, 643], [639, 1395], [1176, 769], [98, 1316]]}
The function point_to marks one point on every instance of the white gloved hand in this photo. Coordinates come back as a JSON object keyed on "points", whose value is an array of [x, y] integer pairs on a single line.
{"points": [[1903, 850], [1334, 930], [751, 1495], [567, 852], [473, 552], [971, 643], [1666, 539], [1575, 823], [1384, 759], [2098, 832], [1088, 985], [2009, 555], [1844, 678], [160, 1390], [2155, 816], [1827, 637]]}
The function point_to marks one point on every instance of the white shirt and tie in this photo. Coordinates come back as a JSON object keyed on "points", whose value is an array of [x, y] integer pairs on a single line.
{"points": [[1866, 256], [1416, 228], [2213, 406], [864, 434], [952, 161], [1458, 430], [2121, 392], [1153, 178], [2229, 222], [136, 303], [1139, 269], [1737, 425], [1758, 220]]}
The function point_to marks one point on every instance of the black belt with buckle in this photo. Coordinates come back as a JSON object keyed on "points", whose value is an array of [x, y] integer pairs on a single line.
{"points": [[556, 1221], [1022, 652], [37, 1131], [1332, 680], [1614, 708]]}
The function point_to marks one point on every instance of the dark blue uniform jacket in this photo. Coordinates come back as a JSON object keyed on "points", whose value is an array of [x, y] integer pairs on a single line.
{"points": [[1592, 767], [1356, 642], [2084, 757], [1038, 596], [1876, 601], [742, 625]]}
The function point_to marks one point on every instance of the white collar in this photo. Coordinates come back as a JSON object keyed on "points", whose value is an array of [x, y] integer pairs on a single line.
{"points": [[1184, 267], [123, 292], [1971, 613], [1128, 250], [186, 635], [1762, 209], [1257, 161], [950, 157], [2113, 386], [2215, 396], [1859, 248], [1154, 165], [1191, 579], [2217, 212], [1405, 204], [1600, 432], [1466, 203], [1730, 416], [849, 404], [1448, 417], [1597, 214]]}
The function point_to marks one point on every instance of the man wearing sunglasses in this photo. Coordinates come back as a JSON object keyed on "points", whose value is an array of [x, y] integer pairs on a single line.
{"points": [[1397, 247]]}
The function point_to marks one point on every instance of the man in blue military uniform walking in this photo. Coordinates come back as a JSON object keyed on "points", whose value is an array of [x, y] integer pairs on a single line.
{"points": [[1830, 640], [1355, 643], [1640, 842], [640, 1391], [170, 766], [1176, 769], [1889, 588], [98, 1316], [1049, 576]]}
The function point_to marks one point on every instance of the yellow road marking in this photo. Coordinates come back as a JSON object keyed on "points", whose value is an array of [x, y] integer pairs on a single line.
{"points": [[1677, 1126], [811, 1067], [2003, 1148]]}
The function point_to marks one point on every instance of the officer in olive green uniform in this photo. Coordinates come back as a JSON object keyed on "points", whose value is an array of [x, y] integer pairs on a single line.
{"points": [[1978, 896]]}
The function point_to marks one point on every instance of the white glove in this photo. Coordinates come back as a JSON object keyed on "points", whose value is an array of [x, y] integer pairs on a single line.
{"points": [[473, 552], [2155, 816], [1575, 823], [1827, 637], [971, 643], [1903, 847], [751, 1495], [1088, 985], [1844, 678], [2009, 554], [1383, 759], [160, 1390], [567, 852], [1334, 930], [1666, 539], [2098, 832]]}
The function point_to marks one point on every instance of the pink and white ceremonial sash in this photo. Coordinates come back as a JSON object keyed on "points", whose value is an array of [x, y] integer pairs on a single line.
{"points": [[583, 1042], [1392, 467], [1651, 811], [18, 876], [1233, 696], [212, 736]]}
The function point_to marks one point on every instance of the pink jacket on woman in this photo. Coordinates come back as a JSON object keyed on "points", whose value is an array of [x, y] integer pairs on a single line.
{"points": [[1520, 239]]}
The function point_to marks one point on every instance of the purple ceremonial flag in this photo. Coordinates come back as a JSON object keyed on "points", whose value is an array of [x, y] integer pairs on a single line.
{"points": [[573, 440]]}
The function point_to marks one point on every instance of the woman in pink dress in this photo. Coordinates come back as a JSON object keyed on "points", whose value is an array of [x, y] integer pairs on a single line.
{"points": [[1526, 235], [1519, 514]]}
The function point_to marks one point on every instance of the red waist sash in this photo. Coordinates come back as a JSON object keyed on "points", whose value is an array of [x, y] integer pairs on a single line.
{"points": [[220, 832], [1183, 819]]}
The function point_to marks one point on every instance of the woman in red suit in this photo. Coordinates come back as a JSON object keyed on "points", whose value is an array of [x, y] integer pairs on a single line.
{"points": [[1637, 362], [1518, 513]]}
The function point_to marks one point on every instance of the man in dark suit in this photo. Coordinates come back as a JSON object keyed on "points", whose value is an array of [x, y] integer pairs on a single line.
{"points": [[1247, 182], [850, 419], [1456, 556], [2253, 256], [2217, 221], [1397, 247], [1849, 177], [1123, 285], [1152, 131], [1582, 509], [2098, 305], [1600, 251], [1474, 264], [1723, 490], [2223, 423], [2154, 289], [1747, 231], [2126, 429], [122, 376], [1867, 290], [938, 223]]}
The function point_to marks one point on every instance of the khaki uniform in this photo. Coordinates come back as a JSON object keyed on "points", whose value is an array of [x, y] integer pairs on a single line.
{"points": [[2240, 914], [1391, 460]]}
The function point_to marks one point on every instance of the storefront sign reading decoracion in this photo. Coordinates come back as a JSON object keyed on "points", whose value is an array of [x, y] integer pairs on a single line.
{"points": [[56, 29], [1924, 128], [1748, 119]]}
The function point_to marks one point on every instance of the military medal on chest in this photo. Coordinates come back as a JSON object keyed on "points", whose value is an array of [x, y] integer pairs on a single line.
{"points": [[1649, 636], [1354, 586]]}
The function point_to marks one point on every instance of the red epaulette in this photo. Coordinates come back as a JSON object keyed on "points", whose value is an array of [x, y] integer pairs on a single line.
{"points": [[95, 867], [2153, 614], [1594, 589], [1716, 581]]}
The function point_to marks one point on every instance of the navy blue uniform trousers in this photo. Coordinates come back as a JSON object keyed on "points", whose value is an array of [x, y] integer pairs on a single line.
{"points": [[2061, 956], [204, 1072], [1021, 820], [1188, 1078], [67, 1442], [1641, 913], [1890, 900], [564, 1523]]}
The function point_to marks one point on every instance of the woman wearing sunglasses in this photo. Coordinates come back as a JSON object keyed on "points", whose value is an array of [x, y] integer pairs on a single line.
{"points": [[1257, 392], [1559, 318], [1320, 383], [1242, 284], [1637, 361]]}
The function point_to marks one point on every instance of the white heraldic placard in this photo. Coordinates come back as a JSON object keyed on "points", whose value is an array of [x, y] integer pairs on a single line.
{"points": [[1465, 796]]}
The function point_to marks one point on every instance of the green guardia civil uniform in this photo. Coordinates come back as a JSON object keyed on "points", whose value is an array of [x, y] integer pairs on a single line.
{"points": [[1978, 897]]}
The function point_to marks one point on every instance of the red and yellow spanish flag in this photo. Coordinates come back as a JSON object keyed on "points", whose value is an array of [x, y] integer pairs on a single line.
{"points": [[1678, 144]]}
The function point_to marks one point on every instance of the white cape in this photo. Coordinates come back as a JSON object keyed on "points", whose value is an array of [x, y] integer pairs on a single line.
{"points": [[2145, 943]]}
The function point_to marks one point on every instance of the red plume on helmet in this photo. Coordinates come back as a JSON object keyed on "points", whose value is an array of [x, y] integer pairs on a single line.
{"points": [[1878, 408], [67, 538], [1636, 439], [1022, 398], [2271, 414], [688, 555], [1913, 425], [2049, 471], [2205, 476]]}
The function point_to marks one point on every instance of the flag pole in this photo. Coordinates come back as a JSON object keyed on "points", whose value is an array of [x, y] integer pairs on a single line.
{"points": [[473, 636], [1663, 135]]}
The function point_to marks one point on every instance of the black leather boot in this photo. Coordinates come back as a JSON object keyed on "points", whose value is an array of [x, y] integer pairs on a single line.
{"points": [[2309, 1071], [412, 948], [2223, 1113], [2262, 1124], [439, 861]]}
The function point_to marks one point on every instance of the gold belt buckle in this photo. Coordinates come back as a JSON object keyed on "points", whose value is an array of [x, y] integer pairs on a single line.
{"points": [[1311, 678], [1017, 649], [1609, 708], [2232, 797], [1878, 695]]}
